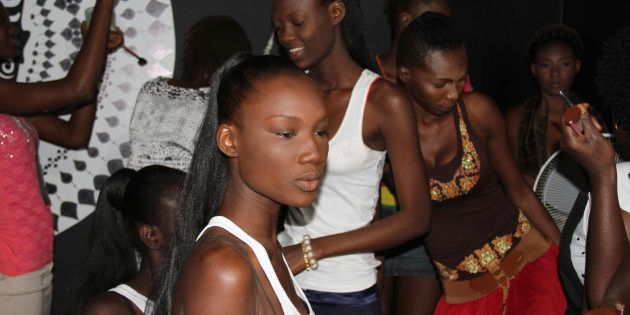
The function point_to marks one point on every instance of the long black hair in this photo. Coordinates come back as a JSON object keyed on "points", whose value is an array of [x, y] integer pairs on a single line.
{"points": [[127, 199], [208, 176]]}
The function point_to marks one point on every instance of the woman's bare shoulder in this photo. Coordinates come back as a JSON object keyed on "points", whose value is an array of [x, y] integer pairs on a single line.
{"points": [[106, 303]]}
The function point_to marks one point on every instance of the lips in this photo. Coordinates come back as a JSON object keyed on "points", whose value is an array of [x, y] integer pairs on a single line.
{"points": [[296, 53], [309, 182]]}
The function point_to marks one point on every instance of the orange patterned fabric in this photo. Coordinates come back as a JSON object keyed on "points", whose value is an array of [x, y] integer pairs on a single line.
{"points": [[468, 173], [489, 256]]}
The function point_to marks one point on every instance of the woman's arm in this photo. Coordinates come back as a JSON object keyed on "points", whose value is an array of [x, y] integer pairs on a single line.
{"points": [[607, 242], [488, 123], [80, 84], [395, 120], [71, 134]]}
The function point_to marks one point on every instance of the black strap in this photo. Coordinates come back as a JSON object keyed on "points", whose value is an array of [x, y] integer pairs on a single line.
{"points": [[573, 287]]}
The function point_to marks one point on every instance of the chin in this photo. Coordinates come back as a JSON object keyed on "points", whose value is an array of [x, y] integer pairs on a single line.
{"points": [[303, 202]]}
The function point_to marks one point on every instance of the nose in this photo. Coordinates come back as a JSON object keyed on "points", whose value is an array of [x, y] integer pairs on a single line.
{"points": [[285, 35], [451, 92], [555, 69], [314, 150]]}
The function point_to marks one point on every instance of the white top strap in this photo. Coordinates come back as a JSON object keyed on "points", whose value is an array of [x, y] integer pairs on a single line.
{"points": [[261, 254], [139, 300]]}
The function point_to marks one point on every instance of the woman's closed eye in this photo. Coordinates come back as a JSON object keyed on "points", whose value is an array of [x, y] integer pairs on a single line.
{"points": [[285, 134]]}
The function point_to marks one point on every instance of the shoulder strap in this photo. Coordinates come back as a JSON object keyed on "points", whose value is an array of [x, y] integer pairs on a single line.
{"points": [[240, 249], [571, 283]]}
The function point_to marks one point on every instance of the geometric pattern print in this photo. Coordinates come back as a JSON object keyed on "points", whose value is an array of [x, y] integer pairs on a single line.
{"points": [[73, 178], [489, 256]]}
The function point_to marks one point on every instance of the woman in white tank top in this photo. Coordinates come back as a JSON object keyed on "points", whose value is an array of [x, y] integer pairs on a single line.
{"points": [[369, 117], [262, 145]]}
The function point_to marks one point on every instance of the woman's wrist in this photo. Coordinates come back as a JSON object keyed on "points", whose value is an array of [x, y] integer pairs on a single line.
{"points": [[307, 253]]}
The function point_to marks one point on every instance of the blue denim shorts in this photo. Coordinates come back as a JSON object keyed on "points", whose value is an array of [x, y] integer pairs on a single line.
{"points": [[407, 260]]}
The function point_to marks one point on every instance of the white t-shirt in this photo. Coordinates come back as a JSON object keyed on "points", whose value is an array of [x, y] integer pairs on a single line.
{"points": [[578, 241]]}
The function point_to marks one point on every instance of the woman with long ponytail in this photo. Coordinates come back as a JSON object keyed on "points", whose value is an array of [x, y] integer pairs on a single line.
{"points": [[262, 144]]}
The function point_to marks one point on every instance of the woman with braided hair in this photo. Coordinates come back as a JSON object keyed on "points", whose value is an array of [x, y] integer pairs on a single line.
{"points": [[535, 127]]}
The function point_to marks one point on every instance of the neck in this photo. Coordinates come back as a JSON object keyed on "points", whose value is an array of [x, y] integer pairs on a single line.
{"points": [[337, 69], [143, 281], [553, 102], [255, 214]]}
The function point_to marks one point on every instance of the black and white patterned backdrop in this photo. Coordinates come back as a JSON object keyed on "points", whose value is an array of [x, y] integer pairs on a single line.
{"points": [[73, 178]]}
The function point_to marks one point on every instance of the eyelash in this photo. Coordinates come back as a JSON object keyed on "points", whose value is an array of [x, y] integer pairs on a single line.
{"points": [[285, 135], [322, 133]]}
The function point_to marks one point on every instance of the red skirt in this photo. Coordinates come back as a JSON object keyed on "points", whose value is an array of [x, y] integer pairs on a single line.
{"points": [[536, 289]]}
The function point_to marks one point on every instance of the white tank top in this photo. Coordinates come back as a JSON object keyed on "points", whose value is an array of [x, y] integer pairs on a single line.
{"points": [[139, 300], [261, 254], [346, 201]]}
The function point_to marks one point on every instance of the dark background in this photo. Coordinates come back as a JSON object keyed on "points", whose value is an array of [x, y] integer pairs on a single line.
{"points": [[496, 34]]}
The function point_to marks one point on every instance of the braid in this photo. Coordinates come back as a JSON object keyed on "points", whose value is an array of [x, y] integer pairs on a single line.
{"points": [[554, 33]]}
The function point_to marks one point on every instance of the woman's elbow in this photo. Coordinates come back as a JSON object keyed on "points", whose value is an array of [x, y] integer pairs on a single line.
{"points": [[77, 143], [85, 93], [419, 224]]}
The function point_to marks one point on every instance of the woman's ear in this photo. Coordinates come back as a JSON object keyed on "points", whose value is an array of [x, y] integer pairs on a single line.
{"points": [[578, 65], [404, 18], [150, 236], [403, 74], [226, 139], [532, 68], [338, 11]]}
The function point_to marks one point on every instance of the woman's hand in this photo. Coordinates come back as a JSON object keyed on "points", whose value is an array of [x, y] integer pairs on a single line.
{"points": [[115, 39], [295, 258], [588, 148]]}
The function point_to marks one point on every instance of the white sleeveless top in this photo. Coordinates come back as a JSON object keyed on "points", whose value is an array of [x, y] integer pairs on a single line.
{"points": [[139, 300], [261, 254], [346, 201]]}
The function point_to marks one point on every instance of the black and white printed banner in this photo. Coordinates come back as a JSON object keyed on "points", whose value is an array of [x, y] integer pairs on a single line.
{"points": [[73, 178]]}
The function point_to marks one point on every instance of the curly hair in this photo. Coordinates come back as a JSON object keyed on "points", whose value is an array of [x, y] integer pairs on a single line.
{"points": [[429, 32], [613, 76], [554, 33]]}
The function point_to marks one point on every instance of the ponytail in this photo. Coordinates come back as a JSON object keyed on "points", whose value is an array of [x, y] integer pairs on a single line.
{"points": [[110, 257], [355, 36], [209, 172]]}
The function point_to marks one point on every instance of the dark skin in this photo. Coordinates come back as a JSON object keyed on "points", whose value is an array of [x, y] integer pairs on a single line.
{"points": [[554, 68], [78, 87], [156, 239], [417, 294], [403, 18], [73, 133], [277, 146], [607, 245], [311, 31], [435, 84]]}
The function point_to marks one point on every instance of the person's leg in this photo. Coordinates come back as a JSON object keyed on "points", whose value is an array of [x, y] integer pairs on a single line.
{"points": [[385, 292], [30, 293], [416, 295]]}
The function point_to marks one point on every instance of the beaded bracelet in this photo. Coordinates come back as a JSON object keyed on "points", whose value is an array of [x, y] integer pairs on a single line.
{"points": [[307, 250]]}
